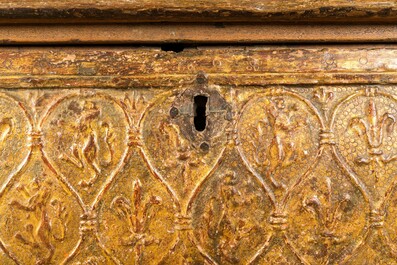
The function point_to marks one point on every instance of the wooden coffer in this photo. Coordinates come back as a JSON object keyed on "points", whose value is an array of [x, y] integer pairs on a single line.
{"points": [[198, 132]]}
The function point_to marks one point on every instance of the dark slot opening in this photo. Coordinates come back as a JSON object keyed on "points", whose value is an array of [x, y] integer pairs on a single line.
{"points": [[200, 115], [173, 47]]}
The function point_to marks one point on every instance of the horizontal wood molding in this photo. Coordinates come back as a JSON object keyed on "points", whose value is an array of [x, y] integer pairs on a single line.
{"points": [[123, 67], [193, 33], [22, 11], [189, 21]]}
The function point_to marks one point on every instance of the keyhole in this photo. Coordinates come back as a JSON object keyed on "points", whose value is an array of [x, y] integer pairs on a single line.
{"points": [[200, 115]]}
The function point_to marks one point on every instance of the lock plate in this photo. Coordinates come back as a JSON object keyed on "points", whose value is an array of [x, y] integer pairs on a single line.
{"points": [[216, 114]]}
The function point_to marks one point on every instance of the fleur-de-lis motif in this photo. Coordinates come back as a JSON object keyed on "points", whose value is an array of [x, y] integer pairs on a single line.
{"points": [[323, 96], [136, 212], [186, 158], [135, 104], [373, 129], [328, 215], [35, 99], [50, 227]]}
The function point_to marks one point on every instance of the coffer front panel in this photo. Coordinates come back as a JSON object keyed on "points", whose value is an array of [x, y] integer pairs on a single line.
{"points": [[261, 155]]}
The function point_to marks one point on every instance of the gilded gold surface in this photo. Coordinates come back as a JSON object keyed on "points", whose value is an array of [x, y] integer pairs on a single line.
{"points": [[281, 174]]}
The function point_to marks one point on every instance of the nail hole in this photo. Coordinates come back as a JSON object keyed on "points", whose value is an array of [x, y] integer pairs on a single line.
{"points": [[205, 147], [174, 112], [200, 115], [201, 78]]}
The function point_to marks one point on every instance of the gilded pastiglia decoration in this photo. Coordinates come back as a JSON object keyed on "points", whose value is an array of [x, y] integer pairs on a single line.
{"points": [[275, 175]]}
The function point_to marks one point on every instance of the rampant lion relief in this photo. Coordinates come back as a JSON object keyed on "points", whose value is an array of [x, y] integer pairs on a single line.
{"points": [[51, 215], [92, 144], [279, 138], [86, 141]]}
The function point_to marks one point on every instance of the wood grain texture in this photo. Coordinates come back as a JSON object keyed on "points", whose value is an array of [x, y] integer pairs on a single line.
{"points": [[189, 33], [203, 10]]}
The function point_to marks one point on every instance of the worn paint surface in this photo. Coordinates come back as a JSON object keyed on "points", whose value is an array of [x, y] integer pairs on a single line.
{"points": [[102, 159], [203, 10]]}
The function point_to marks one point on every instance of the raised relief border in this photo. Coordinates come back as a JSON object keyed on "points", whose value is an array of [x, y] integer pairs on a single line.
{"points": [[204, 167]]}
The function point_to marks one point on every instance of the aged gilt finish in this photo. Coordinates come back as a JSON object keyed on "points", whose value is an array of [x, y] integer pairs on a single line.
{"points": [[257, 155]]}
